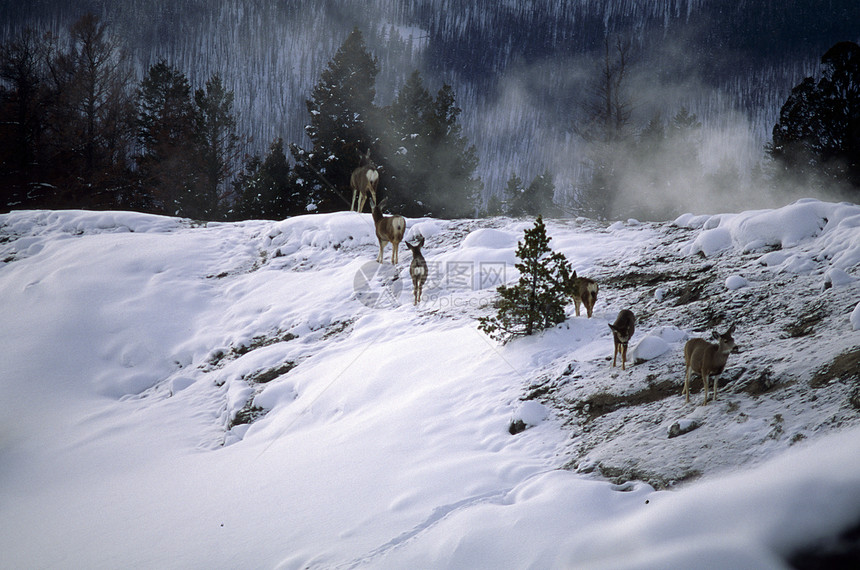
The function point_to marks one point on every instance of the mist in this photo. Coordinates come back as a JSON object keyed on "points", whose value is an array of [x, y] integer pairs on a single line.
{"points": [[530, 125]]}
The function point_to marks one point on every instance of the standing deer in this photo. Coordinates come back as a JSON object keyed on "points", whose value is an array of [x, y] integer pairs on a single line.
{"points": [[622, 332], [388, 229], [584, 291], [363, 182], [706, 359], [417, 269]]}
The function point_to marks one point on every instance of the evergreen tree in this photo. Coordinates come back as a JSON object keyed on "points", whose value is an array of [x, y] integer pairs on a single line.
{"points": [[170, 163], [406, 148], [215, 130], [538, 197], [494, 206], [342, 110], [265, 189], [818, 133], [538, 299], [429, 165], [454, 160], [514, 196]]}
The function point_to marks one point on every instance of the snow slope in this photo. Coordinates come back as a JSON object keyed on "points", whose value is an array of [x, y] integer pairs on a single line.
{"points": [[263, 394]]}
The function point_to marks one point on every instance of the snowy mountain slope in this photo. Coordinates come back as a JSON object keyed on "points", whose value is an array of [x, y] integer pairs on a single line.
{"points": [[264, 394]]}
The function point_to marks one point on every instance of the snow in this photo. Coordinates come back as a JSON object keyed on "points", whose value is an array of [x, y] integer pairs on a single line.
{"points": [[656, 343], [131, 344], [735, 282]]}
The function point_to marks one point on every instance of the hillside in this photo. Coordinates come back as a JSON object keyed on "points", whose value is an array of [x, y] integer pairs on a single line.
{"points": [[264, 394]]}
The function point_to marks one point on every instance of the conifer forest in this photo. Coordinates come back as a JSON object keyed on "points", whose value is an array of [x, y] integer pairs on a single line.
{"points": [[260, 109]]}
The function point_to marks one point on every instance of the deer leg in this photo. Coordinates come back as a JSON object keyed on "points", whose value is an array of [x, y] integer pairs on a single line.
{"points": [[614, 355], [381, 248], [705, 380], [686, 391], [394, 257], [716, 381], [361, 200], [576, 304], [623, 357], [352, 205]]}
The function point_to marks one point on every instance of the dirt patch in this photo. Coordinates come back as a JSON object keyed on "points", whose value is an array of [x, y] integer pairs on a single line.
{"points": [[264, 376], [844, 367], [602, 403], [813, 314]]}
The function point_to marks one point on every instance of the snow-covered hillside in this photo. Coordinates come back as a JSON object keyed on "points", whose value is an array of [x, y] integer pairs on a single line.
{"points": [[263, 394]]}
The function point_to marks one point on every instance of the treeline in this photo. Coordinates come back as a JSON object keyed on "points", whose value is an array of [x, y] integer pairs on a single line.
{"points": [[78, 131]]}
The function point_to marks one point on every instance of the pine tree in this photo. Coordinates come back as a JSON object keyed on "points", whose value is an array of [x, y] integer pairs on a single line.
{"points": [[429, 165], [342, 110], [538, 299], [538, 197], [818, 132], [215, 131], [265, 190], [406, 148], [456, 189], [514, 199], [170, 163]]}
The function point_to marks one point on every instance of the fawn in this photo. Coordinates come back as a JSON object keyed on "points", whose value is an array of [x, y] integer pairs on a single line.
{"points": [[706, 359], [417, 269], [622, 332]]}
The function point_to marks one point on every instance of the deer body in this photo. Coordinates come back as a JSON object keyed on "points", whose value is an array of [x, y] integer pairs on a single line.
{"points": [[585, 293], [363, 182], [388, 229], [417, 269], [622, 332], [706, 359]]}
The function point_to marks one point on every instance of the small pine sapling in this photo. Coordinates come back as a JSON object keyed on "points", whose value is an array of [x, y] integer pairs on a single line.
{"points": [[538, 299]]}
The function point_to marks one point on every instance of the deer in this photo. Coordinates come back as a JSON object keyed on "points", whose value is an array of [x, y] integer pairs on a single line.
{"points": [[584, 291], [622, 332], [363, 182], [706, 359], [418, 268], [388, 229]]}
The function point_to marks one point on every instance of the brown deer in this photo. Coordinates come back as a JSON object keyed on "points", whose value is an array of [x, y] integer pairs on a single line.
{"points": [[363, 182], [417, 269], [707, 359], [388, 229], [622, 332], [584, 291]]}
